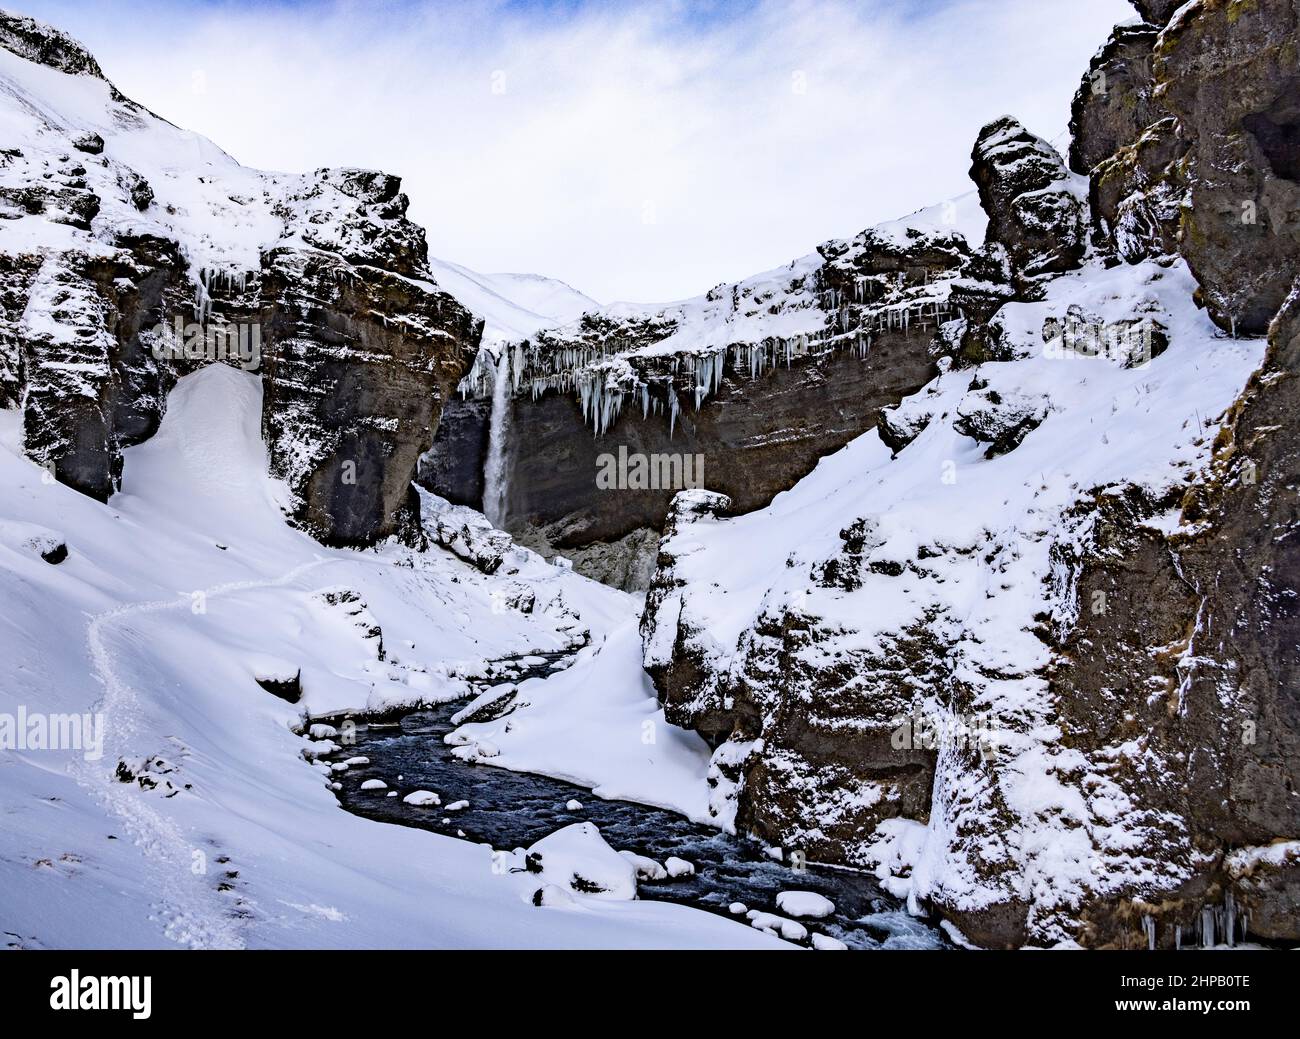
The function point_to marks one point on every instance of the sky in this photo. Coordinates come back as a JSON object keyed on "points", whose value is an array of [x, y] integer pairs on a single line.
{"points": [[641, 151]]}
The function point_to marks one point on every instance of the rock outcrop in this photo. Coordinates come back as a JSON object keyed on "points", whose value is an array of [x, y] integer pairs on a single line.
{"points": [[1205, 622], [115, 282], [751, 385], [1115, 102], [1036, 208], [1229, 71], [1124, 767]]}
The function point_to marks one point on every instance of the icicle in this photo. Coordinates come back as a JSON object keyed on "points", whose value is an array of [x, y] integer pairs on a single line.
{"points": [[1149, 926], [1230, 919], [1178, 936], [1207, 928]]}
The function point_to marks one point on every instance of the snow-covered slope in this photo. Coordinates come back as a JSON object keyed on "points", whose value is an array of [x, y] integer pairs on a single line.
{"points": [[913, 589], [173, 599], [513, 306]]}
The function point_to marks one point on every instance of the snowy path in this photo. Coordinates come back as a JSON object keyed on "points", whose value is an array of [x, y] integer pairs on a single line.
{"points": [[194, 914]]}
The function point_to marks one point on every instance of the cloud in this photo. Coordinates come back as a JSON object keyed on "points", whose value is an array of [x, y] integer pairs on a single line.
{"points": [[639, 151]]}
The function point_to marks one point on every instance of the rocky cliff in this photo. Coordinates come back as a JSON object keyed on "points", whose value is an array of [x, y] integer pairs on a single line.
{"points": [[752, 383], [1028, 654], [134, 252]]}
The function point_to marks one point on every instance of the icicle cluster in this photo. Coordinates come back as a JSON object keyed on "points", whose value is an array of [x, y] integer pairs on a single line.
{"points": [[609, 361]]}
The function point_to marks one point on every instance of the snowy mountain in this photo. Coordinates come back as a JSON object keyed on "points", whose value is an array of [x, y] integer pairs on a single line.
{"points": [[983, 585], [513, 306]]}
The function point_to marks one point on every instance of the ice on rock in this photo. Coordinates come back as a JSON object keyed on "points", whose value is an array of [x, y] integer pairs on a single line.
{"points": [[805, 904], [322, 732], [826, 943], [577, 858], [458, 806], [737, 909], [422, 797], [374, 784], [573, 805]]}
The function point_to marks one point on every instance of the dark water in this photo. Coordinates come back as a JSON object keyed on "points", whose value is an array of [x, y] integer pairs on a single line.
{"points": [[512, 810]]}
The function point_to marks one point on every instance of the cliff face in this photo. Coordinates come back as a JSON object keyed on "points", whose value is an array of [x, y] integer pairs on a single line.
{"points": [[1030, 654], [118, 244], [753, 382]]}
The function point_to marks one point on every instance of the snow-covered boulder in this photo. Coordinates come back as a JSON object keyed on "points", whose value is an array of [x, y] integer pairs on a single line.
{"points": [[578, 859], [678, 868], [646, 868], [804, 904], [1036, 206], [790, 930]]}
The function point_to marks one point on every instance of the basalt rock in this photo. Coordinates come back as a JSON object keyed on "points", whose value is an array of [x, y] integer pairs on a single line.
{"points": [[1158, 12], [1216, 732], [1114, 103], [46, 45], [1034, 205], [999, 421], [91, 384], [750, 413], [986, 286], [321, 276], [358, 362], [1229, 70], [1138, 195]]}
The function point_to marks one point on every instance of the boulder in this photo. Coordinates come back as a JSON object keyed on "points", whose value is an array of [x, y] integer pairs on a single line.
{"points": [[1035, 206]]}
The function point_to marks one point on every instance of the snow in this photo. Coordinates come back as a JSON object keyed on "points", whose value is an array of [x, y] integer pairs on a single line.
{"points": [[578, 858], [975, 541], [790, 930], [1244, 861], [599, 725], [189, 585], [804, 904], [646, 868], [573, 805], [513, 306], [117, 628], [223, 215], [826, 943]]}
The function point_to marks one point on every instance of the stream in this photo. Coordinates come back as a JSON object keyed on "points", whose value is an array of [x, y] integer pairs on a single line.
{"points": [[513, 810]]}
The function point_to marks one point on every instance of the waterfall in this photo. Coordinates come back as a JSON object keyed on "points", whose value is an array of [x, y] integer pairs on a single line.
{"points": [[494, 470]]}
